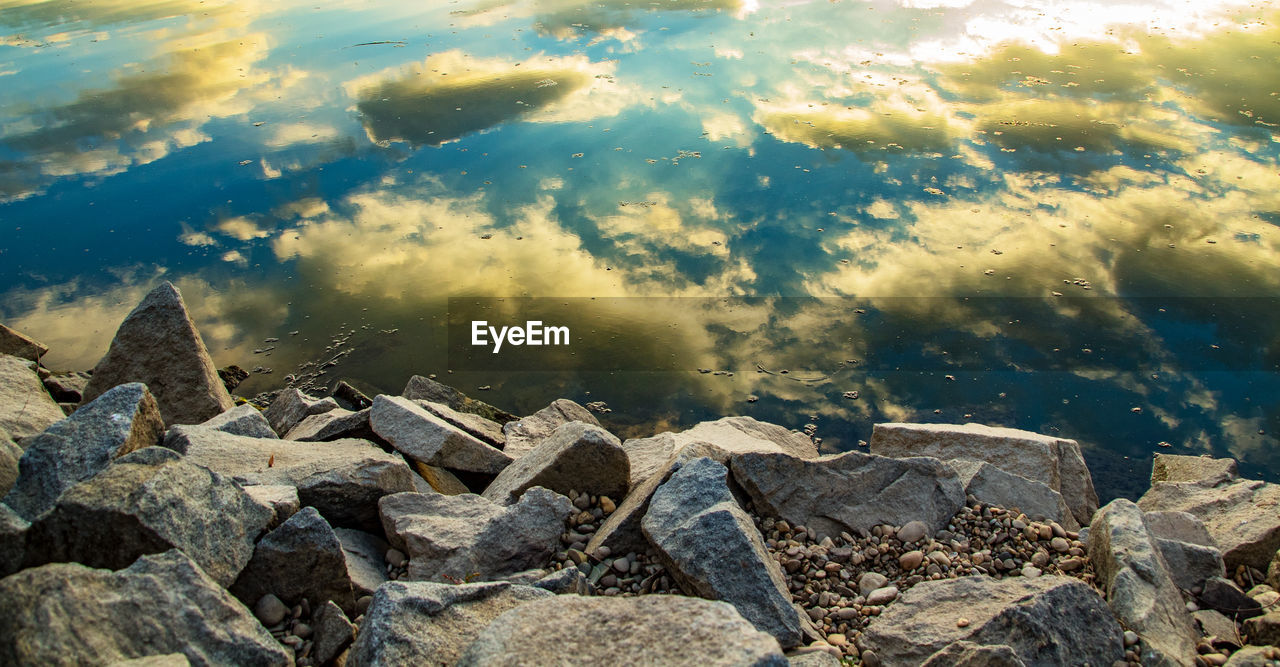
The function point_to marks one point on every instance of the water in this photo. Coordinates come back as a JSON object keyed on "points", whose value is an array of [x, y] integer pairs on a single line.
{"points": [[1060, 218]]}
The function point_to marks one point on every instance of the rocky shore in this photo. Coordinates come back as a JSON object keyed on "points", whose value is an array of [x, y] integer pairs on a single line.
{"points": [[150, 517]]}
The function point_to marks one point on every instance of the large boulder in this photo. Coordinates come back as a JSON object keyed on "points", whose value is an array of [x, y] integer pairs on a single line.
{"points": [[425, 437], [291, 406], [850, 492], [26, 408], [576, 456], [334, 425], [1055, 462], [1044, 620], [159, 346], [1186, 546], [18, 344], [736, 435], [1240, 515], [301, 559], [243, 420], [526, 433], [1203, 469], [67, 614], [712, 548], [994, 486], [648, 630], [485, 429], [421, 388], [419, 623], [120, 421]]}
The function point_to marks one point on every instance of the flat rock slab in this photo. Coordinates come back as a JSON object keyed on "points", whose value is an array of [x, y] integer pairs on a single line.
{"points": [[26, 408], [994, 486], [243, 420], [1241, 516], [524, 434], [486, 430], [159, 346], [1055, 462], [18, 344], [439, 479], [68, 614], [850, 492], [334, 425], [292, 406], [1180, 468], [425, 437], [736, 435], [301, 559], [576, 456], [1044, 620], [421, 388], [648, 630]]}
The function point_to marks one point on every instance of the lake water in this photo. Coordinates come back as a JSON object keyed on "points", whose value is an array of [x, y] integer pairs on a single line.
{"points": [[1058, 216]]}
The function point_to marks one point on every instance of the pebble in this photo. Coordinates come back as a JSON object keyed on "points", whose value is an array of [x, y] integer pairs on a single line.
{"points": [[602, 553], [1031, 571], [962, 622], [882, 596], [1130, 638], [1215, 659], [302, 630], [396, 557], [270, 610], [607, 505], [837, 640], [912, 532], [362, 604], [910, 560], [622, 565], [870, 659], [870, 581], [1060, 544]]}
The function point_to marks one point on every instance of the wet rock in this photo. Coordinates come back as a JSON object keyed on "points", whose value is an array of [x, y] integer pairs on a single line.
{"points": [[159, 346], [992, 485], [13, 541], [161, 603], [422, 388], [333, 425], [1239, 515], [292, 406], [363, 553], [736, 435], [26, 408], [576, 456], [10, 454], [67, 387], [301, 559], [427, 438], [969, 654], [281, 499], [486, 430], [232, 376], [1200, 469], [439, 479], [333, 632], [18, 344], [243, 420], [526, 433]]}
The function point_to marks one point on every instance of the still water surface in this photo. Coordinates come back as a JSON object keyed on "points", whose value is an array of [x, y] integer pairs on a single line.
{"points": [[1059, 216]]}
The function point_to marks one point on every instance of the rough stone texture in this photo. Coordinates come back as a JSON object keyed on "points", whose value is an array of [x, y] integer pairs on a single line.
{"points": [[1045, 620], [649, 630], [1213, 624], [19, 344], [150, 501], [1179, 526], [576, 456], [1179, 468], [427, 438], [1225, 596], [333, 425], [852, 491], [425, 389], [292, 406], [9, 456], [810, 657], [1252, 656], [419, 623], [1190, 564], [167, 660], [467, 537], [365, 556], [1138, 586], [159, 346], [1055, 462], [439, 479], [333, 633], [120, 421], [301, 559], [243, 420], [69, 614], [281, 499], [736, 435], [67, 387], [486, 430], [1263, 629], [569, 581], [969, 654], [350, 398], [993, 485], [525, 434], [25, 407], [710, 545], [13, 541], [1241, 516], [343, 479]]}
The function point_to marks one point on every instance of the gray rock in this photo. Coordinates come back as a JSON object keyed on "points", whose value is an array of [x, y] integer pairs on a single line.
{"points": [[302, 559], [364, 555], [419, 623], [292, 406], [333, 633], [243, 420], [1263, 629], [1201, 469], [969, 654], [120, 421], [870, 581], [334, 425], [281, 499], [18, 344], [270, 610], [427, 438], [1239, 515], [1138, 586], [1190, 564], [576, 456], [525, 434], [648, 630], [1045, 621], [13, 541], [569, 581], [467, 537], [26, 408], [1213, 624], [350, 398], [712, 548], [736, 435], [850, 492], [486, 430], [10, 454], [1179, 526], [159, 346], [438, 479], [425, 389], [167, 660], [1253, 656], [1225, 596], [812, 657], [67, 387], [992, 485], [1055, 462], [66, 613]]}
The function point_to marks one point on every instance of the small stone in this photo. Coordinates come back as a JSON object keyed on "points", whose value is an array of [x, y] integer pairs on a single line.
{"points": [[1030, 571], [837, 640], [270, 610], [871, 581], [602, 553], [607, 505], [396, 557], [582, 502], [910, 560], [1060, 544], [1070, 564], [962, 622], [622, 565], [882, 596], [912, 531], [1130, 638], [302, 630]]}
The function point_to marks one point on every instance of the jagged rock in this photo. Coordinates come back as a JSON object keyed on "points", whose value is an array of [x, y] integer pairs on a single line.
{"points": [[1044, 620], [1239, 515], [486, 430], [712, 548], [159, 346], [417, 433], [1190, 564], [10, 454], [333, 425], [808, 656], [350, 398], [1179, 468], [1138, 586], [1254, 656], [527, 433], [467, 537], [243, 420], [648, 630], [147, 502], [281, 499], [333, 633], [969, 654], [364, 553], [120, 421], [232, 376], [418, 623], [1055, 462], [67, 613], [1213, 624], [1263, 629], [736, 435], [576, 456], [292, 406], [18, 344], [67, 387], [343, 479], [13, 541], [1179, 526], [439, 479], [425, 389], [26, 408], [569, 581], [1224, 596], [994, 486], [850, 492], [302, 559]]}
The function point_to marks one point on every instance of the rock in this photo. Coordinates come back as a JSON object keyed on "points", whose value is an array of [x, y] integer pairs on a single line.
{"points": [[67, 613], [1223, 595], [648, 630], [243, 420], [810, 656], [147, 502], [427, 438], [363, 553], [167, 660], [17, 344], [350, 398], [439, 479], [1200, 469], [26, 408], [486, 430], [302, 559], [334, 425], [712, 548], [1137, 584], [1239, 515], [1213, 624], [993, 486], [1055, 462], [525, 434], [1254, 656], [343, 479], [1263, 629], [1190, 564], [736, 435], [13, 541], [419, 623], [67, 387], [969, 654], [10, 454], [882, 596], [281, 499], [576, 456], [425, 389], [333, 632], [569, 581], [270, 610], [120, 421], [232, 376], [1044, 621], [1178, 526], [870, 581], [850, 492], [913, 531], [159, 346], [292, 406], [467, 537]]}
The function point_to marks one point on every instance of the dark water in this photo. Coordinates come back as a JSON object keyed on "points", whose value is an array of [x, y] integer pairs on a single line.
{"points": [[1060, 218]]}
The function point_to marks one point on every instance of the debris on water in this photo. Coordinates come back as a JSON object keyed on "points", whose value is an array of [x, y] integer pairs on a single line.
{"points": [[851, 395], [388, 331], [271, 340], [294, 333], [1136, 410], [704, 371], [484, 387], [598, 407], [244, 162], [989, 272], [752, 398], [1162, 443], [949, 378], [264, 350], [486, 236], [260, 123], [262, 370]]}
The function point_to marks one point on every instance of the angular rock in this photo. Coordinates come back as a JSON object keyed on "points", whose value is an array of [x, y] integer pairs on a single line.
{"points": [[232, 376], [1178, 526], [422, 388], [736, 435], [333, 425], [1202, 469], [1213, 624], [969, 654], [1239, 515], [1055, 462], [439, 479], [486, 430], [994, 486], [350, 398], [243, 420], [1224, 596], [13, 541], [1044, 620], [466, 537], [523, 435], [333, 633], [1263, 629], [17, 344], [70, 614], [569, 581], [146, 502], [281, 499], [419, 623], [1254, 656], [159, 346], [26, 408], [120, 421], [576, 456], [649, 630], [292, 406], [712, 548], [364, 553], [302, 559], [417, 433], [850, 492], [1138, 585], [1190, 564], [67, 387], [10, 454]]}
